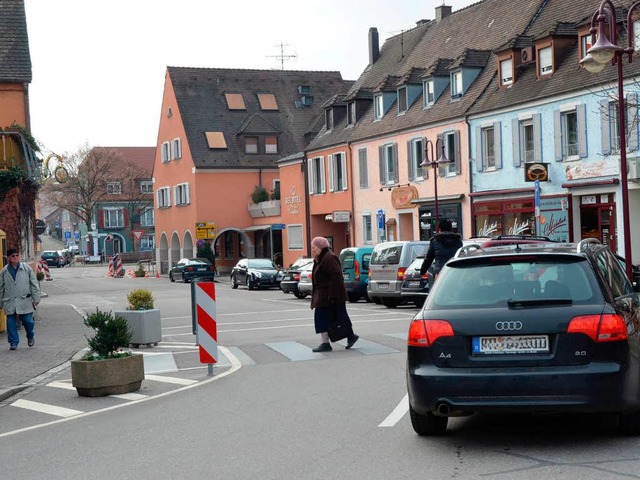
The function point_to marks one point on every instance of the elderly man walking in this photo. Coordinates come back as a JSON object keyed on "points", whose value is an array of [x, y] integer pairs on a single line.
{"points": [[19, 294]]}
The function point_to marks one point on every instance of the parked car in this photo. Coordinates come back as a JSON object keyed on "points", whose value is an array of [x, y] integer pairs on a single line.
{"points": [[634, 268], [67, 256], [256, 273], [355, 270], [389, 260], [305, 286], [513, 240], [291, 277], [53, 258], [415, 287], [188, 269], [533, 328]]}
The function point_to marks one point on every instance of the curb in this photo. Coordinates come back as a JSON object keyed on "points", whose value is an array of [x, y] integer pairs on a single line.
{"points": [[10, 392]]}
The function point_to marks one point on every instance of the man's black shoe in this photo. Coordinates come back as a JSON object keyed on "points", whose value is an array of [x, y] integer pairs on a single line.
{"points": [[323, 347], [351, 341], [13, 347], [31, 341]]}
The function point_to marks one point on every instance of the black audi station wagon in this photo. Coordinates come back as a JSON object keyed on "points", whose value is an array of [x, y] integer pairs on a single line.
{"points": [[545, 327]]}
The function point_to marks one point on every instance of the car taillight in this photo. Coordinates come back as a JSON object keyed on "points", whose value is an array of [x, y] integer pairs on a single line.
{"points": [[400, 273], [425, 276], [600, 328], [422, 333], [370, 275], [296, 277], [212, 268], [356, 274], [189, 269]]}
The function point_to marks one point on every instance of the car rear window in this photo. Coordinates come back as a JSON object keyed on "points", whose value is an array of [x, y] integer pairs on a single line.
{"points": [[300, 263], [489, 282], [386, 255], [347, 258]]}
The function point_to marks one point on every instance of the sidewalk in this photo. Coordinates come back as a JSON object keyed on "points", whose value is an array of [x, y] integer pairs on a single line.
{"points": [[59, 334]]}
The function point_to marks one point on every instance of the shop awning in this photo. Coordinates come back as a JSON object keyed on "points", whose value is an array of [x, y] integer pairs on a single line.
{"points": [[254, 228], [441, 198]]}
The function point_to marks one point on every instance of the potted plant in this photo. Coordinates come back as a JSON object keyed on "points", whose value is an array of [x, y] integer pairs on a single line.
{"points": [[107, 369], [140, 271], [143, 319], [262, 206]]}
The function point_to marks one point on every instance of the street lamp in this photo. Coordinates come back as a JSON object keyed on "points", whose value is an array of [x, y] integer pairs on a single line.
{"points": [[603, 51], [429, 161]]}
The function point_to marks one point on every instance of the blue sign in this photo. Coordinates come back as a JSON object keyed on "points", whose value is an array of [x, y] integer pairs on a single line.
{"points": [[76, 235], [277, 226], [380, 219], [67, 235]]}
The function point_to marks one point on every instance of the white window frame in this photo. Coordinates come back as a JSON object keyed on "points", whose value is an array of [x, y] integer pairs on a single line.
{"points": [[176, 149], [403, 100], [429, 93], [295, 237], [163, 197], [614, 126], [109, 221], [181, 194], [585, 41], [270, 148], [165, 152], [317, 183], [506, 72], [545, 61], [146, 186], [338, 172], [367, 229], [527, 152], [114, 188], [147, 217], [488, 148], [389, 164], [148, 242], [456, 84], [449, 140], [378, 102], [570, 150]]}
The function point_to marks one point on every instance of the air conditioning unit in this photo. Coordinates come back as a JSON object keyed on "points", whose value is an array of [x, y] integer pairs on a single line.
{"points": [[526, 55], [634, 169]]}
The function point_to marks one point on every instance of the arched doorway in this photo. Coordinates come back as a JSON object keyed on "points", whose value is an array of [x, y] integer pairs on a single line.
{"points": [[163, 254], [175, 248], [187, 245]]}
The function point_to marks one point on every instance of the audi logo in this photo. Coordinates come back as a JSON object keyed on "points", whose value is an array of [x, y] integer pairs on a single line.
{"points": [[504, 326]]}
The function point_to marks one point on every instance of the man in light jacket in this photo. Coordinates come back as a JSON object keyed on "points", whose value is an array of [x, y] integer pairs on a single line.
{"points": [[19, 294]]}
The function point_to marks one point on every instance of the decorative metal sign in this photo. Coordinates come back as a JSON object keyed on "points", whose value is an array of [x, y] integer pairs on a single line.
{"points": [[536, 171]]}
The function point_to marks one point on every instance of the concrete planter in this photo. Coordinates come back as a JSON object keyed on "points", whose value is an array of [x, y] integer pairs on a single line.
{"points": [[112, 376], [264, 209], [145, 325]]}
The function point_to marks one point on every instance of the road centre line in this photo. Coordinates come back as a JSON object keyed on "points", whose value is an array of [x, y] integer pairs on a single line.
{"points": [[396, 415]]}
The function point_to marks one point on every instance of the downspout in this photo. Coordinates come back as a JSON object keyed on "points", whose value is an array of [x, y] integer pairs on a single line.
{"points": [[352, 221], [307, 213], [470, 165], [27, 111]]}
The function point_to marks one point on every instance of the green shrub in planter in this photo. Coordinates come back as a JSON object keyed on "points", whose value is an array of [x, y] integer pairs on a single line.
{"points": [[140, 271], [110, 335], [259, 194], [140, 299]]}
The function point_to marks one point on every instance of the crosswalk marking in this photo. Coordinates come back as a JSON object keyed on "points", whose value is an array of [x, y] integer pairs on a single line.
{"points": [[370, 348], [173, 380], [61, 384], [44, 408], [129, 396], [295, 351]]}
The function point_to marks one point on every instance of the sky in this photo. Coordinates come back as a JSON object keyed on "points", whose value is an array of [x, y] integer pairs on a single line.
{"points": [[99, 65]]}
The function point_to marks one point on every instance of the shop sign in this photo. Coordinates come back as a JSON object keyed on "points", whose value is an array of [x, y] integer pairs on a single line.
{"points": [[293, 201], [553, 221], [206, 230], [593, 169], [341, 216], [536, 171], [401, 197]]}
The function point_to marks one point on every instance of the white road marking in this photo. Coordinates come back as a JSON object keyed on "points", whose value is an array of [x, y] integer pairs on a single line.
{"points": [[61, 384], [235, 366], [394, 417], [172, 380], [44, 408], [130, 396]]}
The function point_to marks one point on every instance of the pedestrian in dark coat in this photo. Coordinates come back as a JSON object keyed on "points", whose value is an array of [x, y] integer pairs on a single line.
{"points": [[442, 246], [329, 296], [19, 295]]}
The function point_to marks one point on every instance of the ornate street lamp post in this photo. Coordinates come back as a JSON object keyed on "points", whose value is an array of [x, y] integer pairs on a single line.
{"points": [[603, 51], [430, 161]]}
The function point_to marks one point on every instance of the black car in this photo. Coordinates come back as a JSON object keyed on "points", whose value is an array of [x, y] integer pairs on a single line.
{"points": [[415, 287], [256, 273], [535, 328], [291, 277], [188, 269], [53, 258]]}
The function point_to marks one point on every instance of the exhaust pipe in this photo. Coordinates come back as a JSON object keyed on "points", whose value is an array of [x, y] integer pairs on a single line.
{"points": [[443, 409]]}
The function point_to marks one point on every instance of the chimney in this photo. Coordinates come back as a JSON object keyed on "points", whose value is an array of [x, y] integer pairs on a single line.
{"points": [[442, 11], [374, 45]]}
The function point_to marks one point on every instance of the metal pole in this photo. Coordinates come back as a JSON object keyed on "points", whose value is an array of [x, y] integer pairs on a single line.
{"points": [[623, 170], [435, 192]]}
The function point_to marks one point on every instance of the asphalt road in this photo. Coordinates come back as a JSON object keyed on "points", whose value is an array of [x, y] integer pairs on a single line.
{"points": [[272, 411]]}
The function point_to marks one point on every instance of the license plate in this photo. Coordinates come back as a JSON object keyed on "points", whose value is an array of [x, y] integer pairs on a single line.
{"points": [[383, 286], [511, 344], [202, 269], [345, 276], [413, 283]]}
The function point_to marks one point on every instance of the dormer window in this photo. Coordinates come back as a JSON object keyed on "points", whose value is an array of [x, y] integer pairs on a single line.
{"points": [[328, 119], [545, 61], [506, 72], [351, 113], [456, 84], [429, 93], [402, 100], [379, 107], [585, 44]]}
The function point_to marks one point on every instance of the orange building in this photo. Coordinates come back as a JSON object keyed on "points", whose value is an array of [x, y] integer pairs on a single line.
{"points": [[222, 133]]}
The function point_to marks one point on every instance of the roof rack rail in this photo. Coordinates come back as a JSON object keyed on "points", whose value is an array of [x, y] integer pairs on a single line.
{"points": [[473, 247], [587, 243]]}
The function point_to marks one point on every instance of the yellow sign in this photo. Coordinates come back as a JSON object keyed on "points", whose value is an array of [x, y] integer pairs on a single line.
{"points": [[206, 230]]}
